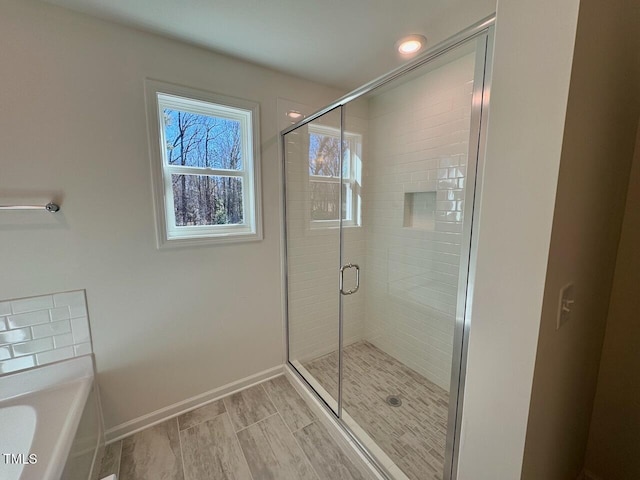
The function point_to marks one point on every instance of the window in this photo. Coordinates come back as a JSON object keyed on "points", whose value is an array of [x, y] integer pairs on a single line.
{"points": [[205, 164], [324, 177]]}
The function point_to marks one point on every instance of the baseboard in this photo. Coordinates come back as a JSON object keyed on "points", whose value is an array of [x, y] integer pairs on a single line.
{"points": [[145, 421]]}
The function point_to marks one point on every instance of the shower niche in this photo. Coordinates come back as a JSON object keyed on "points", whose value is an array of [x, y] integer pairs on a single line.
{"points": [[420, 210], [379, 211]]}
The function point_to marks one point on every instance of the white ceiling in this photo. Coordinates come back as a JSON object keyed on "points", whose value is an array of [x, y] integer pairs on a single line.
{"points": [[340, 43]]}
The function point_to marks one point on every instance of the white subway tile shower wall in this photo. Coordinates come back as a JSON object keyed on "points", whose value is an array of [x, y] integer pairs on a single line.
{"points": [[419, 136], [44, 329]]}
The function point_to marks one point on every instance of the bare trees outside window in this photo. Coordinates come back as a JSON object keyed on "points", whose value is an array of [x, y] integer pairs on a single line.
{"points": [[324, 176], [205, 160], [203, 141], [325, 184]]}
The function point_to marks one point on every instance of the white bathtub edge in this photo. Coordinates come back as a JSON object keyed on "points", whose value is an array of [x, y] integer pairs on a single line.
{"points": [[67, 435], [70, 382], [36, 379]]}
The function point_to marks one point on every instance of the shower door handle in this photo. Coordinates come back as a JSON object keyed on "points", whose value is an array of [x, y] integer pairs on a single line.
{"points": [[342, 269]]}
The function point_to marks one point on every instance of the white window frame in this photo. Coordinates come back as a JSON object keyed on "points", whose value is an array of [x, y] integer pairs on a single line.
{"points": [[353, 199], [161, 95]]}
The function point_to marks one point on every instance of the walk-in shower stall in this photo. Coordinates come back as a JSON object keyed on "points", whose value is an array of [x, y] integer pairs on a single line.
{"points": [[380, 197]]}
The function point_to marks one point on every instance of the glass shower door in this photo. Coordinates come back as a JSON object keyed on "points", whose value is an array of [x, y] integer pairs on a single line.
{"points": [[312, 202], [406, 150], [379, 206]]}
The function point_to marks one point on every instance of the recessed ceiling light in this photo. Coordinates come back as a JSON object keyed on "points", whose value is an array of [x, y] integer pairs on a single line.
{"points": [[411, 44], [294, 115]]}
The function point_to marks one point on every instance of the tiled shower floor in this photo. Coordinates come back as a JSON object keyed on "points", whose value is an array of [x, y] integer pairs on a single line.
{"points": [[413, 435], [264, 432]]}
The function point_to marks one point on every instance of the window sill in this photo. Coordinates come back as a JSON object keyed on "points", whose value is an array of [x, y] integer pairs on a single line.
{"points": [[217, 239]]}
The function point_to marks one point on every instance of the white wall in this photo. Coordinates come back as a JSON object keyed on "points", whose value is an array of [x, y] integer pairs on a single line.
{"points": [[418, 142], [599, 137], [166, 325], [532, 65]]}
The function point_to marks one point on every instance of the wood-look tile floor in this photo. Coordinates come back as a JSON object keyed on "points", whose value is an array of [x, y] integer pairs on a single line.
{"points": [[265, 432], [414, 434]]}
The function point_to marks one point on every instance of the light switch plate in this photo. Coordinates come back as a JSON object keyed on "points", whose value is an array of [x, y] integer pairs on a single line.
{"points": [[565, 304]]}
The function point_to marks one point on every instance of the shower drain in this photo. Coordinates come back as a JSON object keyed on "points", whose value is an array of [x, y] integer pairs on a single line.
{"points": [[393, 400]]}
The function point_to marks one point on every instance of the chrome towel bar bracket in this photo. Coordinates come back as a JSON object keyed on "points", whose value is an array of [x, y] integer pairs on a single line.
{"points": [[49, 207]]}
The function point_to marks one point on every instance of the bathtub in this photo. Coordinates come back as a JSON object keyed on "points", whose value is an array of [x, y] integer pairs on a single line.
{"points": [[40, 415]]}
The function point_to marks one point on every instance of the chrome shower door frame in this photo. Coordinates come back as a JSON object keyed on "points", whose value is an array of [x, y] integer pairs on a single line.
{"points": [[482, 33]]}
